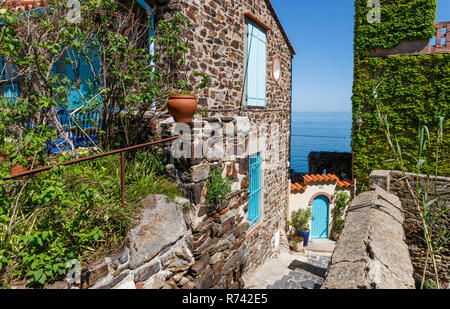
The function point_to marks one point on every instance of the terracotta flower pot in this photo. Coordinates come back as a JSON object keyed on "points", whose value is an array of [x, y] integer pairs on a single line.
{"points": [[182, 107]]}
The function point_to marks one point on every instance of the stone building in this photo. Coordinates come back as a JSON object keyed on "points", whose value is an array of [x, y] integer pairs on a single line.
{"points": [[242, 45]]}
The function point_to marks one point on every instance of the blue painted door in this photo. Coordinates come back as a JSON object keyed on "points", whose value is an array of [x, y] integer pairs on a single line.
{"points": [[255, 198], [319, 226]]}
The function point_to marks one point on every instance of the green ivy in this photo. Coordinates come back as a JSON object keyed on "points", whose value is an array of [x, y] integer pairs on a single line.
{"points": [[412, 90], [400, 20]]}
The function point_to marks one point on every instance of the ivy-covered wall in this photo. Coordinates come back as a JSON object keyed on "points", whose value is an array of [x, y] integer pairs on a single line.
{"points": [[413, 90]]}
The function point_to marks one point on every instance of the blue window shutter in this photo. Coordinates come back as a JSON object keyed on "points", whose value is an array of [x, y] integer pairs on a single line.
{"points": [[256, 66], [148, 9], [255, 190], [10, 90]]}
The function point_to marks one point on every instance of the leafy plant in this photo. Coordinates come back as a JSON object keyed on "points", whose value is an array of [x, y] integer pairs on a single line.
{"points": [[300, 219], [73, 212], [218, 189], [170, 38], [430, 209], [417, 91], [342, 199]]}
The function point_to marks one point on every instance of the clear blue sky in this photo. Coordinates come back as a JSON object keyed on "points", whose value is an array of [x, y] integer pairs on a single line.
{"points": [[322, 35]]}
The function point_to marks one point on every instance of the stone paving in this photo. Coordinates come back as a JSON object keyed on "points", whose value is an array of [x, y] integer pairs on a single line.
{"points": [[304, 275], [293, 270]]}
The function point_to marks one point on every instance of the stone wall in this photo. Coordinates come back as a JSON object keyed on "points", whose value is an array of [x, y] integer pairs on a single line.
{"points": [[185, 244], [412, 224], [371, 252], [191, 175], [223, 249], [217, 46], [337, 163]]}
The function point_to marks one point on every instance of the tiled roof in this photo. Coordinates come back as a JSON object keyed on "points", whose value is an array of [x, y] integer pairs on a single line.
{"points": [[318, 179], [18, 5]]}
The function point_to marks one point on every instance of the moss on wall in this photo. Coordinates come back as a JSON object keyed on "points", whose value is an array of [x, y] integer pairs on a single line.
{"points": [[414, 90]]}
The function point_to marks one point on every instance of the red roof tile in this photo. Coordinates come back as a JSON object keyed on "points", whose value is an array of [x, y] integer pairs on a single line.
{"points": [[320, 179]]}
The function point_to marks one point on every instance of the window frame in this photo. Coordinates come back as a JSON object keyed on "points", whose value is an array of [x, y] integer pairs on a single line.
{"points": [[247, 62]]}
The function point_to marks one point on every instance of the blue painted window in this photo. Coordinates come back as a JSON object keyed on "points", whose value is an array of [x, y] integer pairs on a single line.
{"points": [[147, 7], [256, 66], [255, 198], [10, 90]]}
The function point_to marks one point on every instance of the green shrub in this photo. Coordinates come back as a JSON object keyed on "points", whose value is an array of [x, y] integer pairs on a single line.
{"points": [[300, 219], [73, 212], [342, 199], [218, 189]]}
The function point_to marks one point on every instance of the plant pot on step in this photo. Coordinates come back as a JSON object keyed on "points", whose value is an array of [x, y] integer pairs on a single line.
{"points": [[305, 236], [298, 245], [182, 107], [336, 235]]}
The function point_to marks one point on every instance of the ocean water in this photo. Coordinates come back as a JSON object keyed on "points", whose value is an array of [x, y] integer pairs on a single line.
{"points": [[318, 132]]}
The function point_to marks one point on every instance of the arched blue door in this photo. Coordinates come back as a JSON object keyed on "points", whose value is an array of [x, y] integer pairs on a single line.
{"points": [[319, 226]]}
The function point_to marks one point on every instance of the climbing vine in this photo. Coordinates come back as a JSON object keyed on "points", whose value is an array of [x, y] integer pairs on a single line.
{"points": [[412, 90]]}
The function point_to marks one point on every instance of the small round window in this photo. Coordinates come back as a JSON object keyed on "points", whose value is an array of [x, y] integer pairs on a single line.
{"points": [[276, 69]]}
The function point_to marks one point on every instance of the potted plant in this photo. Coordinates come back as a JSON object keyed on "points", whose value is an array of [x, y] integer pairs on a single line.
{"points": [[297, 243], [338, 226], [182, 103], [342, 200], [300, 222]]}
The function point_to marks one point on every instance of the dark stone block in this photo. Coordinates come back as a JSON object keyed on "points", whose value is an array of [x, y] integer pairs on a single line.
{"points": [[206, 281], [193, 191], [114, 281], [338, 163], [200, 265], [147, 272]]}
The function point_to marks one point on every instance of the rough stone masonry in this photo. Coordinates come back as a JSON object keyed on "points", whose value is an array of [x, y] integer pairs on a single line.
{"points": [[371, 252]]}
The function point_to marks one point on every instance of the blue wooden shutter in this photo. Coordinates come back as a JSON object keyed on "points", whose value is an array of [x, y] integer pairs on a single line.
{"points": [[256, 66], [148, 9], [10, 90], [255, 198]]}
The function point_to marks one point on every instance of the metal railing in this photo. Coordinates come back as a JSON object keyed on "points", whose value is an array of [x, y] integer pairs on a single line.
{"points": [[94, 157]]}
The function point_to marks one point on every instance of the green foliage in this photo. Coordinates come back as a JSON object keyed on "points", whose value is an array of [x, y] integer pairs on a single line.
{"points": [[342, 199], [431, 209], [300, 219], [412, 90], [218, 189], [73, 212], [427, 285], [400, 20], [134, 84]]}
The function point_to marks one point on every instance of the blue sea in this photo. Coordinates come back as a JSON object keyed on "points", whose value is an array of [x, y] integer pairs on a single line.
{"points": [[318, 132]]}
